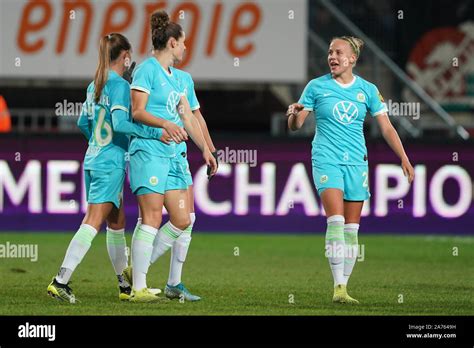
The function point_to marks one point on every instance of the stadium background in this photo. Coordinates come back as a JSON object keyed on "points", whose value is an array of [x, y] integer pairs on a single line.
{"points": [[259, 236], [249, 61]]}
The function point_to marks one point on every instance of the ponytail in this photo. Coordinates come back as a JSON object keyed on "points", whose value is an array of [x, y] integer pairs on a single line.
{"points": [[102, 71], [110, 47]]}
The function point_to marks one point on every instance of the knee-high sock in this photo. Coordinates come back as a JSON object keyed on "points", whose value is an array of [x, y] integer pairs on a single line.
{"points": [[137, 226], [179, 252], [78, 247], [335, 247], [117, 249], [164, 240], [142, 247], [352, 248]]}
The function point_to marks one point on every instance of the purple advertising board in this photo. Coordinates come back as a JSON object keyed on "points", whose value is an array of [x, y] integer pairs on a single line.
{"points": [[262, 185]]}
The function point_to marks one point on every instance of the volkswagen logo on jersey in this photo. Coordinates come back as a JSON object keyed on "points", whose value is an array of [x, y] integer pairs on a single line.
{"points": [[172, 102], [345, 112]]}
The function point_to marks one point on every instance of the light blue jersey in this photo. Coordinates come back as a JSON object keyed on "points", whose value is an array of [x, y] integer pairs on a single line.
{"points": [[186, 83], [340, 112], [107, 149], [164, 93], [185, 80]]}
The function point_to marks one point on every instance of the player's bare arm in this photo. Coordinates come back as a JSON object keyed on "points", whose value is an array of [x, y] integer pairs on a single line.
{"points": [[192, 127], [390, 135], [296, 116], [139, 101], [205, 131]]}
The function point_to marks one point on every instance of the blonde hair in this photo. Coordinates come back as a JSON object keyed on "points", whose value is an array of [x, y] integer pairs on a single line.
{"points": [[355, 43]]}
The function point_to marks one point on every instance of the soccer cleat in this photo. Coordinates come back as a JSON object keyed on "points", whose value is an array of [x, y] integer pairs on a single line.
{"points": [[181, 292], [144, 295], [154, 291], [341, 295], [127, 274], [124, 293], [61, 292]]}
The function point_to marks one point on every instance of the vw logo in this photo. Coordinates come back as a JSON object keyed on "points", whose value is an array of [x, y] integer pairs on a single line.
{"points": [[345, 112], [172, 102]]}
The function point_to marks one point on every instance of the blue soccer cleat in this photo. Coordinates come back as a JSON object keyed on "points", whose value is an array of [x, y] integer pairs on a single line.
{"points": [[181, 292]]}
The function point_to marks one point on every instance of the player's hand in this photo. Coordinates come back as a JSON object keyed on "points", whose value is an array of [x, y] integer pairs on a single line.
{"points": [[294, 108], [177, 133], [211, 163], [209, 176], [165, 137], [408, 170], [127, 74]]}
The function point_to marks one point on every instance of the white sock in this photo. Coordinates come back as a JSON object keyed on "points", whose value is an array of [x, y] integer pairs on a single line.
{"points": [[139, 222], [335, 247], [117, 249], [167, 234], [142, 247], [351, 249], [179, 252], [78, 247]]}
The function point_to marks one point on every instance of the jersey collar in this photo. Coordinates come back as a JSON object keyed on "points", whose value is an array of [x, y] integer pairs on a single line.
{"points": [[346, 85], [113, 74]]}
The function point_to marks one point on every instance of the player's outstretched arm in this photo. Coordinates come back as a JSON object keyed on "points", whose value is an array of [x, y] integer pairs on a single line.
{"points": [[194, 130], [390, 135], [139, 100], [296, 116]]}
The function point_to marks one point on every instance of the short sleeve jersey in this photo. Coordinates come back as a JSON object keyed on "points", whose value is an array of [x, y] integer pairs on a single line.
{"points": [[340, 111], [164, 93], [106, 150]]}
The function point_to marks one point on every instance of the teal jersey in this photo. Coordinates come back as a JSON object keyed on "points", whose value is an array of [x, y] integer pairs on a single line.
{"points": [[164, 93], [186, 83], [106, 149], [340, 111]]}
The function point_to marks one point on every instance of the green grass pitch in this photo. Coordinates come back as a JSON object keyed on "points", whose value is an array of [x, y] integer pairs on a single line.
{"points": [[238, 274]]}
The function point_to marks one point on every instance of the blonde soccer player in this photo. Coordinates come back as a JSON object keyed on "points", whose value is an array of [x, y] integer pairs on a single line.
{"points": [[340, 101]]}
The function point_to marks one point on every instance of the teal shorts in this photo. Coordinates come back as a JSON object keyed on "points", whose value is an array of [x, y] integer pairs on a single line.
{"points": [[183, 160], [352, 180], [104, 187], [155, 174]]}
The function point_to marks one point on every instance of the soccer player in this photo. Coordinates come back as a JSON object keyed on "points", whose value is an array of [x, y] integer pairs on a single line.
{"points": [[105, 121], [156, 172], [179, 246], [340, 101]]}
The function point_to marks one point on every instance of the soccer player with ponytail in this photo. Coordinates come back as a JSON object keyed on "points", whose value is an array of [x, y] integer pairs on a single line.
{"points": [[106, 122], [340, 101]]}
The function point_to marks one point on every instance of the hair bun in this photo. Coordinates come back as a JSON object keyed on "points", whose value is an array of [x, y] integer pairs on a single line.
{"points": [[162, 29], [160, 20]]}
